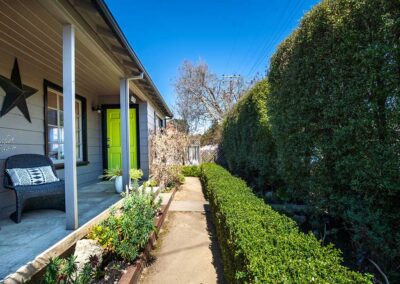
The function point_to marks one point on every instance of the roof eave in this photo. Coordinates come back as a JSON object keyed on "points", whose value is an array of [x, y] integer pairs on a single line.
{"points": [[105, 12]]}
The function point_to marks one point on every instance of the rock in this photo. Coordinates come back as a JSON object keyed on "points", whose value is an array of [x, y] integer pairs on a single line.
{"points": [[85, 249], [300, 219], [269, 195], [289, 208]]}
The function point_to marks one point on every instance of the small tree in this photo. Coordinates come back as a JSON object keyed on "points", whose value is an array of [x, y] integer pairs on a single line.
{"points": [[204, 97], [169, 149]]}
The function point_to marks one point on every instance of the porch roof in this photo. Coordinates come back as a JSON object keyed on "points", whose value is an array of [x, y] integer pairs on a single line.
{"points": [[110, 31], [32, 32], [147, 84]]}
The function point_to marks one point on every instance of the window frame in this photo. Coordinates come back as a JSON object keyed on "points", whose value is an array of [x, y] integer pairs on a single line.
{"points": [[83, 124], [158, 123]]}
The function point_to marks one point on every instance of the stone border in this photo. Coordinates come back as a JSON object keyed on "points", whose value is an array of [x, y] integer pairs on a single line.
{"points": [[133, 272]]}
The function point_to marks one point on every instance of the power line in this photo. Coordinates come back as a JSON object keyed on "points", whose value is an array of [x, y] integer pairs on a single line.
{"points": [[248, 59], [233, 47], [247, 54], [273, 39]]}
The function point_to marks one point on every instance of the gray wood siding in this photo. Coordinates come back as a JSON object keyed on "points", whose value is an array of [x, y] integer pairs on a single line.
{"points": [[29, 137]]}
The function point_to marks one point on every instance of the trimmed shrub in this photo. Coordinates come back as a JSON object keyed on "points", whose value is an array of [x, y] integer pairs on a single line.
{"points": [[247, 142], [335, 116], [191, 171], [259, 245]]}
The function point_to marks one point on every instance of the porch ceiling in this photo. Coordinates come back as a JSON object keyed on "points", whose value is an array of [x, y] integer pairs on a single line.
{"points": [[32, 34], [32, 31]]}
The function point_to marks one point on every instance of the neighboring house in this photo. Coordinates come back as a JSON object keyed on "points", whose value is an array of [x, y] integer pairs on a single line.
{"points": [[87, 77]]}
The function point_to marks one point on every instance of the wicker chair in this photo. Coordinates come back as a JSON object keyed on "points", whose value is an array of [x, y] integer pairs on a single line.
{"points": [[28, 197]]}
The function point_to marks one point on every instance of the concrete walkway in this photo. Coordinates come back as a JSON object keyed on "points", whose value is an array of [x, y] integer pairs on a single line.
{"points": [[187, 251]]}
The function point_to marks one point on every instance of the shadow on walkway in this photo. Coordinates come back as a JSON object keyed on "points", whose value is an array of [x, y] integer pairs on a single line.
{"points": [[187, 250], [214, 247]]}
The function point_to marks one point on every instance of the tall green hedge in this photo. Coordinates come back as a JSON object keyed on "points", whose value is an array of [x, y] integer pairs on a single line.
{"points": [[258, 245], [247, 142], [331, 107], [334, 110]]}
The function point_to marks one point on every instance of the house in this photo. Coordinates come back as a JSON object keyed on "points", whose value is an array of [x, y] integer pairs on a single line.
{"points": [[87, 101]]}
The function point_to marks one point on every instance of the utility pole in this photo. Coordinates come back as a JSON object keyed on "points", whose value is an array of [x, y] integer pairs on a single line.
{"points": [[231, 78]]}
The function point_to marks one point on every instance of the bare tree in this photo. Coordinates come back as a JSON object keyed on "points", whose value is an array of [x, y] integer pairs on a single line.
{"points": [[204, 97], [168, 152]]}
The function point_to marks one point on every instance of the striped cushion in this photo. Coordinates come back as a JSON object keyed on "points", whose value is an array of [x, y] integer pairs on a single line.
{"points": [[32, 176]]}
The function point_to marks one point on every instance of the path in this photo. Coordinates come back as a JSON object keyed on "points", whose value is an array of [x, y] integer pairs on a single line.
{"points": [[187, 251]]}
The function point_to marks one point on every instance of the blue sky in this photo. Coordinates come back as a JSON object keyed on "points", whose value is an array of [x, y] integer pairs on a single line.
{"points": [[232, 36]]}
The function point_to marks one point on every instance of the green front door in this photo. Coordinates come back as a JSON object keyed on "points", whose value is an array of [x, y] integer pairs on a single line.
{"points": [[114, 152]]}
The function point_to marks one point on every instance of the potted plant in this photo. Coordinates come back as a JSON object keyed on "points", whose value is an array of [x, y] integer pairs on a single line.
{"points": [[151, 183], [116, 175]]}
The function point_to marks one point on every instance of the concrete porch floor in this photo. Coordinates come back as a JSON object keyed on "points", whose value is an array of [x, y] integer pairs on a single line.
{"points": [[40, 229]]}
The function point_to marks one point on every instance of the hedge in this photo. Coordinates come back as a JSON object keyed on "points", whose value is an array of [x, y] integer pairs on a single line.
{"points": [[191, 171], [258, 245], [334, 113], [247, 142], [325, 124]]}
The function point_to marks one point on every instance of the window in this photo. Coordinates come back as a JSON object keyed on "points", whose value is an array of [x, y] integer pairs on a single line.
{"points": [[54, 125], [160, 122]]}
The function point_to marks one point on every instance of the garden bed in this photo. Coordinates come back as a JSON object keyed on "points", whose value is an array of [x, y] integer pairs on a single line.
{"points": [[134, 271], [115, 267]]}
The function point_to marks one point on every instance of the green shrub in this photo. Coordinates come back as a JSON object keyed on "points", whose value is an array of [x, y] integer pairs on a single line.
{"points": [[126, 232], [175, 176], [191, 171], [259, 245], [64, 270], [335, 116], [247, 142]]}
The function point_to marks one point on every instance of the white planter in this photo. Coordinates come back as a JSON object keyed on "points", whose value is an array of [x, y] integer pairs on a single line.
{"points": [[118, 184]]}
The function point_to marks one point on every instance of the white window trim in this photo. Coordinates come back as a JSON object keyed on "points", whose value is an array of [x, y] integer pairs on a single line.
{"points": [[59, 94]]}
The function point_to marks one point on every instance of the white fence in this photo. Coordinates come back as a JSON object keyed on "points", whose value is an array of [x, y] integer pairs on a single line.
{"points": [[193, 154]]}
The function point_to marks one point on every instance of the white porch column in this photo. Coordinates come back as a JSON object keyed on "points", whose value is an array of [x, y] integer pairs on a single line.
{"points": [[125, 145], [144, 138], [71, 193]]}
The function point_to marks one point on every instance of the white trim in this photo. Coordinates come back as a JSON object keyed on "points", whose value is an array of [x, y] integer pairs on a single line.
{"points": [[124, 119], [61, 128], [71, 188]]}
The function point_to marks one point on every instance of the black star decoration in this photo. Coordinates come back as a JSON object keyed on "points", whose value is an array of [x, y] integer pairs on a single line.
{"points": [[16, 93]]}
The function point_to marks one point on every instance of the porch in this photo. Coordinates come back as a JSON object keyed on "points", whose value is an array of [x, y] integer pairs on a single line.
{"points": [[78, 65], [40, 229]]}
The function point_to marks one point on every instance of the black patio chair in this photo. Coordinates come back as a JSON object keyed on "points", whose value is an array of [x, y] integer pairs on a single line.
{"points": [[30, 197]]}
